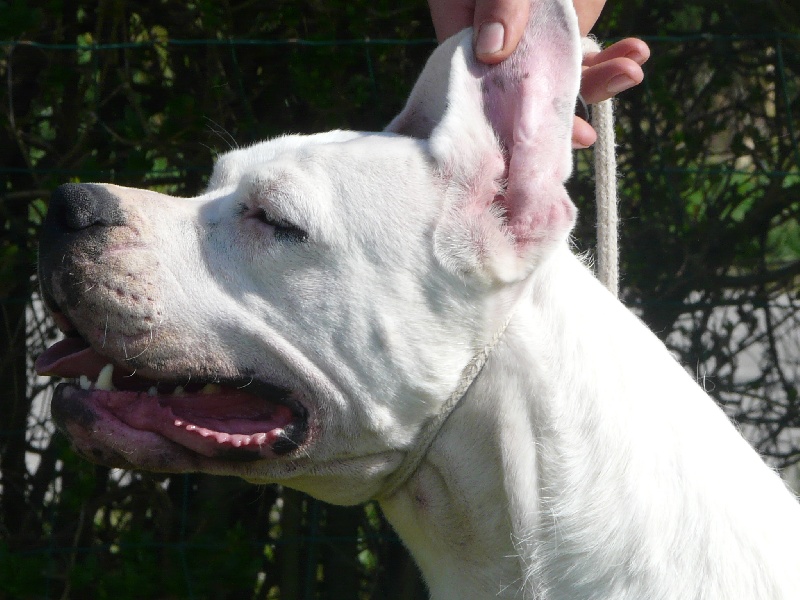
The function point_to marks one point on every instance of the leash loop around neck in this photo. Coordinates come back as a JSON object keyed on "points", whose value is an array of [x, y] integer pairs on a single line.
{"points": [[430, 430]]}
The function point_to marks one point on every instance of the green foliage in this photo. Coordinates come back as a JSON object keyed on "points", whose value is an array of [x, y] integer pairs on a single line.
{"points": [[17, 18], [148, 93], [23, 575]]}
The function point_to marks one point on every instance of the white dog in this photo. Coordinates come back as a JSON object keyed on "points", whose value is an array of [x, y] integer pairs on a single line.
{"points": [[317, 314]]}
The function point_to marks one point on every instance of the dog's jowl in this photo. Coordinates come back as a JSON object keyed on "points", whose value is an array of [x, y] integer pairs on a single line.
{"points": [[398, 315]]}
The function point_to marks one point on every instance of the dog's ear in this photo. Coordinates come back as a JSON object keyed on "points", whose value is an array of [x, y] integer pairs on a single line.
{"points": [[501, 139]]}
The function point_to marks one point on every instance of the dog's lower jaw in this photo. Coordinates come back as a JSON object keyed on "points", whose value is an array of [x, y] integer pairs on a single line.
{"points": [[636, 477]]}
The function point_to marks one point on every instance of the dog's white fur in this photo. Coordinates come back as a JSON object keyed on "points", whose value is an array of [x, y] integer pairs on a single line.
{"points": [[638, 486], [583, 463]]}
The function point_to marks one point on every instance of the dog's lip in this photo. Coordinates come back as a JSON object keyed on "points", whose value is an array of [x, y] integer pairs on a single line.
{"points": [[229, 423], [71, 357], [243, 414], [63, 323]]}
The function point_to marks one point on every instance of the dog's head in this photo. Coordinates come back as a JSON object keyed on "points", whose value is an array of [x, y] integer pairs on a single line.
{"points": [[302, 318]]}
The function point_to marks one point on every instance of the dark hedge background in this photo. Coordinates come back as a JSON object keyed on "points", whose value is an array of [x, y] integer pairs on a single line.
{"points": [[147, 93]]}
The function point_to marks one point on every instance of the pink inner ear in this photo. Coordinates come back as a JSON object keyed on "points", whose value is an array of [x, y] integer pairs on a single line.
{"points": [[529, 100]]}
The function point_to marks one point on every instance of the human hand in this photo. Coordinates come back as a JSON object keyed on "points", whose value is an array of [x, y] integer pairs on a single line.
{"points": [[499, 25], [606, 74]]}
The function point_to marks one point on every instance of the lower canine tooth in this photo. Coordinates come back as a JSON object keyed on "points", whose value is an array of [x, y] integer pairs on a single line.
{"points": [[104, 378], [211, 388]]}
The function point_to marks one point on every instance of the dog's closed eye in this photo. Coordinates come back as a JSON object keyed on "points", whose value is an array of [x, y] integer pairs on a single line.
{"points": [[281, 229]]}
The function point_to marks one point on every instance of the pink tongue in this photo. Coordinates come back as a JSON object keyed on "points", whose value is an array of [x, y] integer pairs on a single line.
{"points": [[71, 357]]}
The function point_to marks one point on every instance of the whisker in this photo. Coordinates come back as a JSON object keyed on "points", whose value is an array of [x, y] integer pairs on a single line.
{"points": [[105, 333], [246, 384], [143, 349]]}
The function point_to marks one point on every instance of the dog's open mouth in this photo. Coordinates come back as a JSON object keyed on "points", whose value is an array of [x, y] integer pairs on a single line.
{"points": [[242, 419]]}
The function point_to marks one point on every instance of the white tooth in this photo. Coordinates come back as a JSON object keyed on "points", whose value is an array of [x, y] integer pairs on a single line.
{"points": [[152, 391], [104, 378], [178, 391], [211, 388], [85, 383]]}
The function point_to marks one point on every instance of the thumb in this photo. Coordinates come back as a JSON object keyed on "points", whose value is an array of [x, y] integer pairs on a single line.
{"points": [[499, 25]]}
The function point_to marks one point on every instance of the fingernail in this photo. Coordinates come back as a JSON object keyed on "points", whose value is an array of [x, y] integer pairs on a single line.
{"points": [[620, 83], [491, 37], [636, 57]]}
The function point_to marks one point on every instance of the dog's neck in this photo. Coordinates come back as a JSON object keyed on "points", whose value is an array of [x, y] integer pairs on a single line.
{"points": [[606, 484], [449, 513], [453, 513], [470, 512]]}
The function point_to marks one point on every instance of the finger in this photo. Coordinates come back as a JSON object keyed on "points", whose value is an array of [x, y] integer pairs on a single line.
{"points": [[632, 48], [451, 16], [583, 135], [609, 78], [588, 12], [499, 25]]}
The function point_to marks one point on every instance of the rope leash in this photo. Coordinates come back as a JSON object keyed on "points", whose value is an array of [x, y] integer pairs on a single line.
{"points": [[430, 430], [605, 173], [605, 168]]}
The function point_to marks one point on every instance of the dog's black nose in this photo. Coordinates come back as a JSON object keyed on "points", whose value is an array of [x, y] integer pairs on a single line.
{"points": [[78, 219], [75, 206]]}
